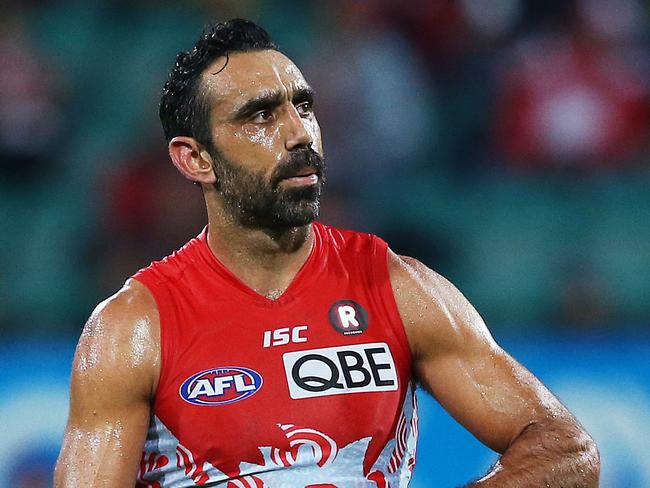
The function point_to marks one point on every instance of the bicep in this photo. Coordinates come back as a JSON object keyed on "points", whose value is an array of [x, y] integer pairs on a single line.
{"points": [[109, 405], [457, 360]]}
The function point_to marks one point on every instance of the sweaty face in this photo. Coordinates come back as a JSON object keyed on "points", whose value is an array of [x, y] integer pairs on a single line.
{"points": [[279, 200], [266, 144]]}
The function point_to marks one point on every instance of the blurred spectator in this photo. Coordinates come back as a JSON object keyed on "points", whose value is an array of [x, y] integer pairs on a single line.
{"points": [[437, 30], [30, 116], [575, 95], [492, 20], [458, 42], [373, 103], [424, 106], [150, 209]]}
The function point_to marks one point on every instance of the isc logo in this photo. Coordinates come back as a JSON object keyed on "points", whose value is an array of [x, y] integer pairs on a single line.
{"points": [[220, 386], [284, 335], [338, 370]]}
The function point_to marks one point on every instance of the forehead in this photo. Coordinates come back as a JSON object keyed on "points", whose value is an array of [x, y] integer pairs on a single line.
{"points": [[249, 74]]}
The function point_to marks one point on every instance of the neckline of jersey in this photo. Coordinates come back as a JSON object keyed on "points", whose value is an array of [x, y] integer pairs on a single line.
{"points": [[306, 274]]}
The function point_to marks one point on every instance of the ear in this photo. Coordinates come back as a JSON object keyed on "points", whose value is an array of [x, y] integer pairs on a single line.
{"points": [[192, 160]]}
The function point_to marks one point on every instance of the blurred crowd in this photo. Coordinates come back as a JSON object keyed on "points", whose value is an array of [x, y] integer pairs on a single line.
{"points": [[505, 143]]}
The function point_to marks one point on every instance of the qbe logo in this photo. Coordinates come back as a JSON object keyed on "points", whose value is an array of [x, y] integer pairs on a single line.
{"points": [[220, 386], [355, 368]]}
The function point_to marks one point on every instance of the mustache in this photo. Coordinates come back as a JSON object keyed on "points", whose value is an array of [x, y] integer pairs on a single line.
{"points": [[298, 160]]}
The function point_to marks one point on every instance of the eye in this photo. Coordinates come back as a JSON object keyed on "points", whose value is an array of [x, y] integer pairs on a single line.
{"points": [[305, 109], [262, 116]]}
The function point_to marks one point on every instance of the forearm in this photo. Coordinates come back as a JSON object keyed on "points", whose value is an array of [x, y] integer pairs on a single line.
{"points": [[551, 455], [99, 456]]}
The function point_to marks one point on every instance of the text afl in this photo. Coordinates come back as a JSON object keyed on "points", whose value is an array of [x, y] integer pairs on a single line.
{"points": [[220, 386]]}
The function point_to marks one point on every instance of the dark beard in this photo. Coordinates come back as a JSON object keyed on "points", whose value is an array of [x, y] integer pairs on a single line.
{"points": [[258, 202]]}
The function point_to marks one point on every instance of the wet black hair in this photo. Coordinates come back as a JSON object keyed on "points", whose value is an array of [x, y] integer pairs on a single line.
{"points": [[184, 110]]}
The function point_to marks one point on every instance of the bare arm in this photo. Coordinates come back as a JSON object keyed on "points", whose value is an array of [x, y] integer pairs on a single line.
{"points": [[486, 390], [114, 375]]}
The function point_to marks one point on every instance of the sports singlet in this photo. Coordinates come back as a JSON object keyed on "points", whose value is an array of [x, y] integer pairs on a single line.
{"points": [[312, 389]]}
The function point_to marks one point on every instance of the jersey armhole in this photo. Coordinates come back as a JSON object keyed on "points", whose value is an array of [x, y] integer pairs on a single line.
{"points": [[163, 316], [387, 295]]}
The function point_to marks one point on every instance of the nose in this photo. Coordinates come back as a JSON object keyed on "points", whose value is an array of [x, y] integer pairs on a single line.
{"points": [[297, 135]]}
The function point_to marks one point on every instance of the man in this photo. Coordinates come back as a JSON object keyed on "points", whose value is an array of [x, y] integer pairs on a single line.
{"points": [[275, 351]]}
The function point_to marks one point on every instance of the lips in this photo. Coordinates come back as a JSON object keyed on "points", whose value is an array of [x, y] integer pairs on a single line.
{"points": [[302, 178], [304, 172]]}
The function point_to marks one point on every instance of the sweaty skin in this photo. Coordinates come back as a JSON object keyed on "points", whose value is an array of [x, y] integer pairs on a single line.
{"points": [[117, 362], [486, 390], [259, 141], [114, 376]]}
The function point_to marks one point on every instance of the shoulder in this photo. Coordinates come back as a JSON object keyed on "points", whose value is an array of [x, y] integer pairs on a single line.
{"points": [[436, 315], [349, 241], [411, 277], [133, 300], [121, 339]]}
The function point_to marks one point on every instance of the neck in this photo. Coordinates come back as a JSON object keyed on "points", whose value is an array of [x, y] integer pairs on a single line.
{"points": [[266, 260]]}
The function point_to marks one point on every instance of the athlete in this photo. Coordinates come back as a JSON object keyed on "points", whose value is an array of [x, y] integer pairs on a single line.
{"points": [[272, 350]]}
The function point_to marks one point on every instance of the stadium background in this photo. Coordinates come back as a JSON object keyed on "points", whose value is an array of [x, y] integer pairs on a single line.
{"points": [[505, 143]]}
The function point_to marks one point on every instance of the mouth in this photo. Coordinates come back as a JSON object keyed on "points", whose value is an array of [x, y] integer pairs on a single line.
{"points": [[304, 177]]}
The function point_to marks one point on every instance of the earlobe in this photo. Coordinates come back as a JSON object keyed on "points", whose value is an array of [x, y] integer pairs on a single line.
{"points": [[193, 161]]}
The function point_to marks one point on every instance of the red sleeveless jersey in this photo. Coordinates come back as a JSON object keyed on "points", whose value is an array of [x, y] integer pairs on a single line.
{"points": [[312, 389]]}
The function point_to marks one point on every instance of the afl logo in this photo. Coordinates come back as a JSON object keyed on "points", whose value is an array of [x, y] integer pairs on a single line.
{"points": [[220, 386], [348, 317]]}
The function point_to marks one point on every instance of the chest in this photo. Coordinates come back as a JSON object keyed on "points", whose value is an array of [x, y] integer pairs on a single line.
{"points": [[240, 380]]}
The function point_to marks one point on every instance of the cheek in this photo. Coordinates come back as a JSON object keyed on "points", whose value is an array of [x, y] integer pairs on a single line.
{"points": [[256, 142], [261, 136]]}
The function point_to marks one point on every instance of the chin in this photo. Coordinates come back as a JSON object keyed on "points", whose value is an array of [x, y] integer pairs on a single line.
{"points": [[298, 216]]}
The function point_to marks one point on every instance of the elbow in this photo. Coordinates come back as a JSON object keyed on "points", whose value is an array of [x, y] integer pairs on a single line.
{"points": [[593, 456], [588, 462], [577, 457]]}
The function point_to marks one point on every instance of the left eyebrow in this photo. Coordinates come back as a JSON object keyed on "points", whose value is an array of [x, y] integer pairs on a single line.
{"points": [[265, 101], [303, 94], [270, 100]]}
